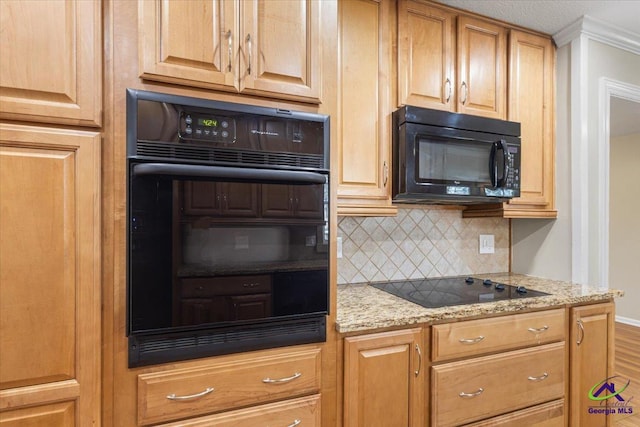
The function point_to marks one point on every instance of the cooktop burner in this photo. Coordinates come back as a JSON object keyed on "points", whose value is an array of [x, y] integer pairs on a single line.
{"points": [[446, 291]]}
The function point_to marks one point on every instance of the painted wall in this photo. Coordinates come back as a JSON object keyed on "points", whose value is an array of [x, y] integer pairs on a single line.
{"points": [[624, 226]]}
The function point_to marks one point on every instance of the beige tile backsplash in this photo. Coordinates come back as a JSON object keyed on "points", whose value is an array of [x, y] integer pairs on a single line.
{"points": [[419, 243]]}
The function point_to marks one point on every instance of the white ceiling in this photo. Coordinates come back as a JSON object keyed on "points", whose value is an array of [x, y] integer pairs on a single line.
{"points": [[551, 16]]}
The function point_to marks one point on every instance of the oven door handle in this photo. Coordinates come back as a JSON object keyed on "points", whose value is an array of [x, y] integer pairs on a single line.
{"points": [[230, 173]]}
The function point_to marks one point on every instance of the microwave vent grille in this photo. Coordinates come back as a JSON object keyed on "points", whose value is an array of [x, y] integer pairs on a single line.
{"points": [[212, 155]]}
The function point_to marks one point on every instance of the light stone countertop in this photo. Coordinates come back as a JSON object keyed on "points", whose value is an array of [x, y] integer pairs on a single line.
{"points": [[364, 308]]}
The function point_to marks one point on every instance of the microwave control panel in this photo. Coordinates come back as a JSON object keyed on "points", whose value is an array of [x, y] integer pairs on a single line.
{"points": [[513, 174], [196, 126]]}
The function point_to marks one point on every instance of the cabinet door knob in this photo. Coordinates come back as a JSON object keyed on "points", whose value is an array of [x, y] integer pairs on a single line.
{"points": [[464, 98], [206, 391], [282, 380]]}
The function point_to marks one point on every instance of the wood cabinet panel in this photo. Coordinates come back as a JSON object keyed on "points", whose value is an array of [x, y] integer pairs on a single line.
{"points": [[258, 47], [49, 268], [384, 379], [550, 414], [482, 68], [304, 411], [491, 385], [364, 118], [591, 360], [51, 67], [234, 385], [57, 414], [475, 337], [220, 199]]}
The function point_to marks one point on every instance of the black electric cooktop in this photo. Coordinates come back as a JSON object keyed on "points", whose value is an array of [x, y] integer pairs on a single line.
{"points": [[446, 291]]}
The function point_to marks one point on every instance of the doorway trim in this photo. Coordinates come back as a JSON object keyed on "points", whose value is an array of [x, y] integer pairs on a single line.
{"points": [[608, 88]]}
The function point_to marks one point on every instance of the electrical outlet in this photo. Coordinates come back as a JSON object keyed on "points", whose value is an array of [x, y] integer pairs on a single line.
{"points": [[487, 244], [339, 247]]}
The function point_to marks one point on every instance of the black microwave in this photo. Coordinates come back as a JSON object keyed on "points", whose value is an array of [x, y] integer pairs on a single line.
{"points": [[445, 157]]}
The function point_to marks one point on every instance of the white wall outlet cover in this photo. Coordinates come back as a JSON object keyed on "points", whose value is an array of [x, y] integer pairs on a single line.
{"points": [[487, 244]]}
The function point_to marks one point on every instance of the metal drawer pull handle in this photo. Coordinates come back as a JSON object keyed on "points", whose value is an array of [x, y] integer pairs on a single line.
{"points": [[282, 380], [173, 396], [471, 340], [581, 332], [250, 285], [447, 83], [295, 423], [230, 47], [470, 395], [540, 378], [538, 330]]}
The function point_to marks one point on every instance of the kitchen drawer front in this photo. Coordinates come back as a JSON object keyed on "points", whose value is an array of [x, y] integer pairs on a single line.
{"points": [[304, 412], [184, 393], [475, 337], [549, 414], [483, 387]]}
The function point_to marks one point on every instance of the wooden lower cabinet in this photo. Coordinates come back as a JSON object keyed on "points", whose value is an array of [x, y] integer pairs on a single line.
{"points": [[551, 414], [591, 363], [384, 381], [49, 277], [303, 412]]}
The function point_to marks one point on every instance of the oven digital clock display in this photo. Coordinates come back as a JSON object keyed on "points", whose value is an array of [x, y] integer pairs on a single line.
{"points": [[207, 122]]}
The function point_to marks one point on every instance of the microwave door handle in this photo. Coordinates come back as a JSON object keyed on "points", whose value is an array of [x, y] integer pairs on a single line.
{"points": [[505, 162], [493, 165], [230, 173]]}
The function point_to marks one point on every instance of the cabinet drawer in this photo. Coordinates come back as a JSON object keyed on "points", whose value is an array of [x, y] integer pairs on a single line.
{"points": [[186, 393], [230, 285], [486, 386], [546, 415], [304, 411], [474, 337]]}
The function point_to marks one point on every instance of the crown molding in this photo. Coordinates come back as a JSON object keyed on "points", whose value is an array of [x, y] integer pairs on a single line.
{"points": [[600, 31]]}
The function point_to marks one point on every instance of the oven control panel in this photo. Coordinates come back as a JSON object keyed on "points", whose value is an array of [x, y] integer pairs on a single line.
{"points": [[196, 126]]}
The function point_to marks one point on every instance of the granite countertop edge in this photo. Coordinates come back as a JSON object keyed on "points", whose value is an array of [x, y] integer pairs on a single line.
{"points": [[364, 308]]}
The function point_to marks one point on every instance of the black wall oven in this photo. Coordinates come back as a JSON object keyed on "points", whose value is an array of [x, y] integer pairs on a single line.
{"points": [[228, 227]]}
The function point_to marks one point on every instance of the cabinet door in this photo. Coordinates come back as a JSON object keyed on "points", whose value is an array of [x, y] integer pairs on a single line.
{"points": [[220, 199], [482, 68], [531, 103], [384, 379], [51, 67], [49, 276], [280, 53], [364, 119], [239, 199], [591, 362], [426, 52], [201, 198], [193, 42]]}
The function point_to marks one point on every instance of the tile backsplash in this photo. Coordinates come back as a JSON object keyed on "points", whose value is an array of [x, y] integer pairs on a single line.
{"points": [[419, 243]]}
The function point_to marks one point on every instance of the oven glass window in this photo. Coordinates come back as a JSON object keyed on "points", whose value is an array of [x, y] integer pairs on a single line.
{"points": [[215, 252], [451, 161]]}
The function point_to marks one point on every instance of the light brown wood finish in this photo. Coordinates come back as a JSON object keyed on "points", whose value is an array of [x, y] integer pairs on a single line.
{"points": [[384, 379], [591, 360], [531, 103], [258, 47], [364, 119], [51, 67], [482, 68], [426, 56], [546, 415], [496, 384], [627, 363], [234, 385], [49, 275], [304, 411], [475, 337]]}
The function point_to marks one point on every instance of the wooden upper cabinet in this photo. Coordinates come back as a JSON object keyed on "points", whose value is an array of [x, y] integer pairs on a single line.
{"points": [[49, 276], [531, 103], [364, 103], [426, 56], [249, 46], [450, 62], [51, 67], [482, 68]]}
